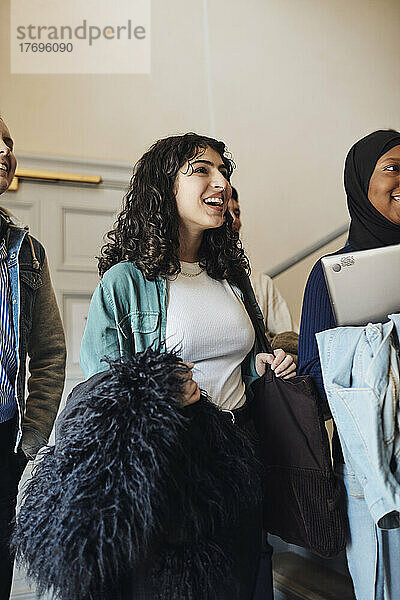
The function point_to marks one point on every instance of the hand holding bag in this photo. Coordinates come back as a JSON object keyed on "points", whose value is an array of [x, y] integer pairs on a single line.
{"points": [[303, 501]]}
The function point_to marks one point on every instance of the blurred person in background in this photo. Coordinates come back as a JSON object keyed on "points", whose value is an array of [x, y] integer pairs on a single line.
{"points": [[279, 324]]}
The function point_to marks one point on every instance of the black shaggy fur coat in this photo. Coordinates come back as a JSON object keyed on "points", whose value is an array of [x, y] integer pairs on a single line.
{"points": [[141, 498]]}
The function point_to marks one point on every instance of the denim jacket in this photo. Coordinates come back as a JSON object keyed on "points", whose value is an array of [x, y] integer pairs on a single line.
{"points": [[127, 314], [361, 378], [38, 334]]}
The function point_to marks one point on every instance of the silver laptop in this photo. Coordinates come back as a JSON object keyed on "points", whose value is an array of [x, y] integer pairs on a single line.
{"points": [[364, 286]]}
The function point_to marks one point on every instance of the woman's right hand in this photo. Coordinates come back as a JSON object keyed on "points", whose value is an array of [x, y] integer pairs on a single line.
{"points": [[190, 389]]}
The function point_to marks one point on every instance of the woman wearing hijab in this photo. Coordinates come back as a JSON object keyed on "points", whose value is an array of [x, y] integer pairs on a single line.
{"points": [[372, 184]]}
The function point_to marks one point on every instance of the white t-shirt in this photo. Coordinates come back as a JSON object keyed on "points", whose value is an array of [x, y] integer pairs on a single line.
{"points": [[209, 326]]}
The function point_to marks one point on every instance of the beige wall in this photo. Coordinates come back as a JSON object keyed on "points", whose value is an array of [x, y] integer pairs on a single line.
{"points": [[291, 283], [291, 85]]}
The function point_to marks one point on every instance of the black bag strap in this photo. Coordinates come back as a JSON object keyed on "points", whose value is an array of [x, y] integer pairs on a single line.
{"points": [[246, 288]]}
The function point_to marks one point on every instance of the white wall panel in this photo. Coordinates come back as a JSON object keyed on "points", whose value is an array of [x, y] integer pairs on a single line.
{"points": [[28, 212], [75, 311], [87, 226]]}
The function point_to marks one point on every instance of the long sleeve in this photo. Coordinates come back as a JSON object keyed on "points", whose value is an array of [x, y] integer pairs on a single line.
{"points": [[316, 316], [101, 337], [46, 350]]}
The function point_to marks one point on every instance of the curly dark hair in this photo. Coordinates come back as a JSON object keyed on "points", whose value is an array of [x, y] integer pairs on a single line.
{"points": [[146, 231]]}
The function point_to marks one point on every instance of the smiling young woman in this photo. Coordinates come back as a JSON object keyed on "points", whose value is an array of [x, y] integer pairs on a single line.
{"points": [[169, 273], [372, 184], [384, 185]]}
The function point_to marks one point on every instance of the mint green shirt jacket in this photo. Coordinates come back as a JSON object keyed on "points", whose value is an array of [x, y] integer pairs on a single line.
{"points": [[127, 314]]}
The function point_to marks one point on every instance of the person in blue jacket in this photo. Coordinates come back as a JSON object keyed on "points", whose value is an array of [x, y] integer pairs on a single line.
{"points": [[372, 184], [32, 356], [169, 280]]}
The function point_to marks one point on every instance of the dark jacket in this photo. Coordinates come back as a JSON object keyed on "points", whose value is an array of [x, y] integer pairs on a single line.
{"points": [[39, 335], [140, 497]]}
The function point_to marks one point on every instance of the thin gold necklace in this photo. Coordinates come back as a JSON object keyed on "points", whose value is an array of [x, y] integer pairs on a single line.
{"points": [[191, 274]]}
